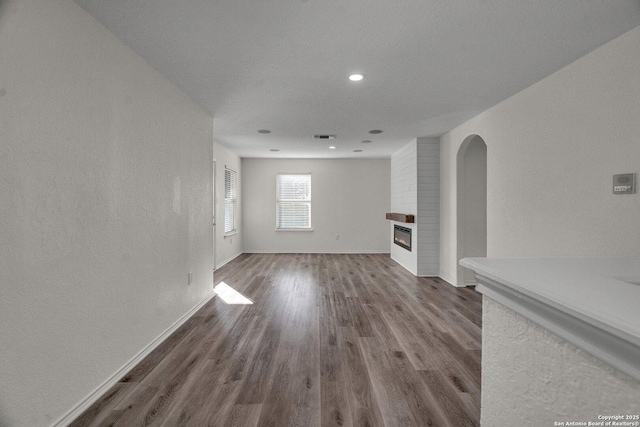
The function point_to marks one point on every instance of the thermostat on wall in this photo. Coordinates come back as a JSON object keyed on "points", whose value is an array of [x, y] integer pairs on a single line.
{"points": [[624, 183]]}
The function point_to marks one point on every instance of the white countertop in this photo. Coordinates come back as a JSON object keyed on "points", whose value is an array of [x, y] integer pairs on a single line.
{"points": [[592, 302]]}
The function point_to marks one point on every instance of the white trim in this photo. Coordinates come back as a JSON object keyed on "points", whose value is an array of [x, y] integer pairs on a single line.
{"points": [[293, 173], [278, 201], [329, 251], [96, 394], [229, 234], [228, 260], [459, 284]]}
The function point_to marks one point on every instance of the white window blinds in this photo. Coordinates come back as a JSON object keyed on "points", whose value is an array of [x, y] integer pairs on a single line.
{"points": [[293, 201], [230, 199]]}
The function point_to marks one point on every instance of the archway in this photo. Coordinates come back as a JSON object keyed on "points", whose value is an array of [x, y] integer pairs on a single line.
{"points": [[471, 204]]}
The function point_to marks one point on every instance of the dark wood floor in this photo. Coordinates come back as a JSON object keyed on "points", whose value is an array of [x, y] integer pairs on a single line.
{"points": [[331, 340]]}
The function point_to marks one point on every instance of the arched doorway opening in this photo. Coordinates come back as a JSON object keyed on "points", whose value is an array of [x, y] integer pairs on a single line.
{"points": [[471, 204]]}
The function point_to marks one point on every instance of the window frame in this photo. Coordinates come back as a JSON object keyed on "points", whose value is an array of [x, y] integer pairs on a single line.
{"points": [[230, 201], [306, 201]]}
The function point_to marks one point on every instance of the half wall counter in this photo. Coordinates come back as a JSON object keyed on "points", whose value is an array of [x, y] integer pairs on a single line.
{"points": [[561, 340]]}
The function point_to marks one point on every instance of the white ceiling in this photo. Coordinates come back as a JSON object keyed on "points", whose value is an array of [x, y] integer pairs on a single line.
{"points": [[282, 65]]}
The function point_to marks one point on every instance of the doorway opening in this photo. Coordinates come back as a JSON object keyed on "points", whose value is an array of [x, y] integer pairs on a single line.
{"points": [[471, 204]]}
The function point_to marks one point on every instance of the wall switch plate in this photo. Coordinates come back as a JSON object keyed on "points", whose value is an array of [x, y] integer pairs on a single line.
{"points": [[189, 278], [624, 183]]}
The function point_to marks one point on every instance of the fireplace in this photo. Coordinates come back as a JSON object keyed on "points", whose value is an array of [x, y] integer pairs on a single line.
{"points": [[402, 237]]}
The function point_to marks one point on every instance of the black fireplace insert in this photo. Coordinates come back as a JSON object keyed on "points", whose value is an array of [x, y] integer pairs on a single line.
{"points": [[402, 237]]}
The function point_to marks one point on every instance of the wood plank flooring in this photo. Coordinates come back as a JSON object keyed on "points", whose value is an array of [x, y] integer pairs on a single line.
{"points": [[331, 340]]}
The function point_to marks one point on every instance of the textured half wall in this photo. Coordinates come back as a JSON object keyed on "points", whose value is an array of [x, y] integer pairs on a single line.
{"points": [[105, 207], [531, 377]]}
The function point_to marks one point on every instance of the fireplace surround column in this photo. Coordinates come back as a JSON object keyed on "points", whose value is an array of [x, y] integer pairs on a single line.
{"points": [[415, 189]]}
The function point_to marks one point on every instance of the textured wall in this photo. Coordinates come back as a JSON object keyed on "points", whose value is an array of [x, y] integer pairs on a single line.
{"points": [[552, 150], [105, 206], [349, 199], [531, 377]]}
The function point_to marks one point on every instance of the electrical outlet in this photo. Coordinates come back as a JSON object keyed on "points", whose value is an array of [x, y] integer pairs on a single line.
{"points": [[337, 237], [189, 277]]}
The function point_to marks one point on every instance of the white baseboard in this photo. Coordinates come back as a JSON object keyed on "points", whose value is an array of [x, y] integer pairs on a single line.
{"points": [[96, 394], [356, 251], [228, 260], [452, 282]]}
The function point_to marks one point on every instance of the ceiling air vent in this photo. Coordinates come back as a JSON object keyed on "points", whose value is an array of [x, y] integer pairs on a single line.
{"points": [[324, 137]]}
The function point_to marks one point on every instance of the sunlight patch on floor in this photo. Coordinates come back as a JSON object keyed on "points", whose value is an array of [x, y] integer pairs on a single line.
{"points": [[230, 295]]}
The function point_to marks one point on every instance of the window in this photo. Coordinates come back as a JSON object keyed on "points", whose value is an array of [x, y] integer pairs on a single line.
{"points": [[293, 201], [230, 199]]}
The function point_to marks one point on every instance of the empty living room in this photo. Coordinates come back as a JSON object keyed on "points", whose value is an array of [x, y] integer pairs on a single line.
{"points": [[319, 213]]}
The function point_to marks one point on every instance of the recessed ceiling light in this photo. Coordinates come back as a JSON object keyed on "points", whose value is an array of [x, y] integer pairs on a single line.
{"points": [[332, 148], [356, 77], [357, 151], [366, 141], [375, 131], [264, 131], [274, 149]]}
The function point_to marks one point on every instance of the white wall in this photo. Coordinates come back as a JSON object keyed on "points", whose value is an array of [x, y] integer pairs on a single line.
{"points": [[105, 206], [552, 151], [415, 190], [531, 377], [349, 199], [428, 204], [227, 247], [404, 200]]}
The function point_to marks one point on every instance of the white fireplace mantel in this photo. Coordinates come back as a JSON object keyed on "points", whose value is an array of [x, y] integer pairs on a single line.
{"points": [[592, 303]]}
